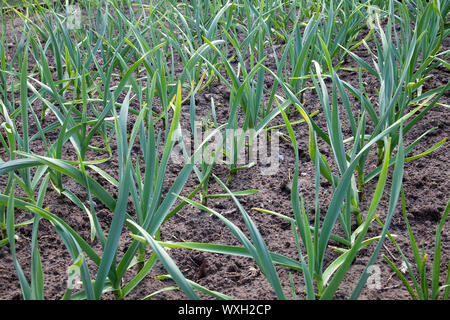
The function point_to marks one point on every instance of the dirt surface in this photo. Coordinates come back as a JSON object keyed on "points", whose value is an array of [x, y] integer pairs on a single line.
{"points": [[426, 184]]}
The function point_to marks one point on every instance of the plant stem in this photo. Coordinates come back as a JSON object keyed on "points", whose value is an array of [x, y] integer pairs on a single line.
{"points": [[361, 184], [319, 287], [380, 152], [118, 293], [141, 257], [230, 177], [358, 215]]}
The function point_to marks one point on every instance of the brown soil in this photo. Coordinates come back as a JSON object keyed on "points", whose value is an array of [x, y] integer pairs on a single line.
{"points": [[426, 185]]}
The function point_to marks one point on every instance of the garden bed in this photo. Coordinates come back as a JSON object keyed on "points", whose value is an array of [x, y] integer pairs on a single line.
{"points": [[426, 182]]}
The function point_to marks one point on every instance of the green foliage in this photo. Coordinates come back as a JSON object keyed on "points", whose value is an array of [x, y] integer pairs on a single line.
{"points": [[116, 84]]}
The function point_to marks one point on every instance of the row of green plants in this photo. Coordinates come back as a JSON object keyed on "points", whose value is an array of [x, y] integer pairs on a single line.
{"points": [[67, 86]]}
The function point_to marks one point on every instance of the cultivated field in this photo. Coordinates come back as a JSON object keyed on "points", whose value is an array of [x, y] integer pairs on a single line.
{"points": [[220, 149]]}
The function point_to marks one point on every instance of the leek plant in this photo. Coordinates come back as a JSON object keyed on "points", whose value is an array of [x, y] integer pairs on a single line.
{"points": [[151, 212], [74, 90], [357, 121], [402, 64], [184, 27], [339, 28], [402, 71], [246, 86], [17, 138], [360, 138], [301, 53], [71, 125], [315, 238], [331, 112], [419, 286]]}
